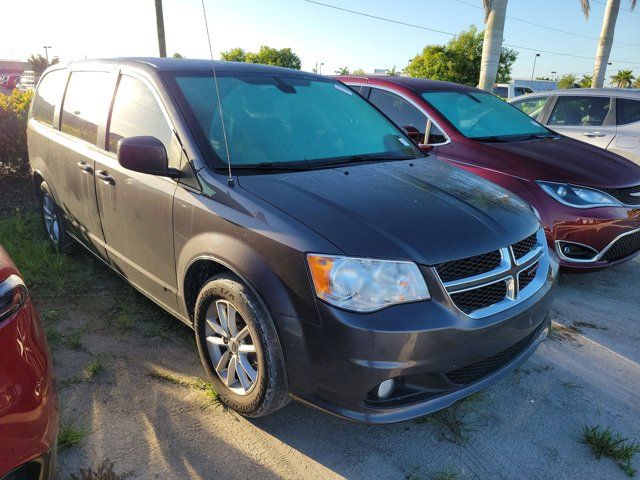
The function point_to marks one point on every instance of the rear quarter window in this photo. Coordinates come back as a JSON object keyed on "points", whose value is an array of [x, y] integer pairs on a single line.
{"points": [[47, 96], [627, 111], [85, 104]]}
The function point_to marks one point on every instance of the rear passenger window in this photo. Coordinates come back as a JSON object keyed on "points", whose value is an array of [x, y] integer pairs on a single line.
{"points": [[580, 111], [627, 111], [49, 93], [400, 111], [136, 112], [85, 104]]}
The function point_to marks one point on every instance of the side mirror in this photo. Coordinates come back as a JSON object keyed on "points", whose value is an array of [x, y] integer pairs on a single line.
{"points": [[412, 132], [145, 155]]}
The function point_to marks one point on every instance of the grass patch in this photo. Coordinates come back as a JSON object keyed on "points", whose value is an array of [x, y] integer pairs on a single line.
{"points": [[195, 383], [54, 337], [605, 443], [49, 273], [93, 369], [74, 340], [51, 315], [70, 435], [452, 423], [104, 471]]}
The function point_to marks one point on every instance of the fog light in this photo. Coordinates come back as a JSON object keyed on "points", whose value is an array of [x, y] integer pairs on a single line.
{"points": [[386, 388]]}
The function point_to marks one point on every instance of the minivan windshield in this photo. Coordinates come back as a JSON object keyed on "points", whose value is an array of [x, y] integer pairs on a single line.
{"points": [[482, 116], [279, 121]]}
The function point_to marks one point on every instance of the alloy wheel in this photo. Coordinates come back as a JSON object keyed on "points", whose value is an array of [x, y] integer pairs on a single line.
{"points": [[231, 347], [51, 219]]}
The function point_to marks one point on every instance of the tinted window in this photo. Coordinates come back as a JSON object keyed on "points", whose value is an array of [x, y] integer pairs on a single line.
{"points": [[532, 106], [136, 112], [502, 92], [49, 93], [399, 110], [85, 104], [282, 119], [579, 111], [480, 115], [519, 91], [627, 111]]}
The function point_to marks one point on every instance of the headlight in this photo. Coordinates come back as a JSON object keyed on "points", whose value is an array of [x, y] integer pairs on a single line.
{"points": [[364, 284], [579, 197]]}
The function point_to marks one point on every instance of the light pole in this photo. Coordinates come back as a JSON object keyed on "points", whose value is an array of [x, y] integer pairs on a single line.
{"points": [[553, 76], [320, 72], [46, 52], [534, 69]]}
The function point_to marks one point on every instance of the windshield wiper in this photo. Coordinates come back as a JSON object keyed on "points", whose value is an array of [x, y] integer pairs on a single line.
{"points": [[542, 136], [491, 139], [272, 166]]}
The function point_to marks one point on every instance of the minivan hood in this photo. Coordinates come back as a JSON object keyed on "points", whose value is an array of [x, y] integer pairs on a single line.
{"points": [[561, 160], [423, 209]]}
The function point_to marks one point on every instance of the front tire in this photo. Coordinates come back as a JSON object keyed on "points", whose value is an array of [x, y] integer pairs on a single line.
{"points": [[239, 347]]}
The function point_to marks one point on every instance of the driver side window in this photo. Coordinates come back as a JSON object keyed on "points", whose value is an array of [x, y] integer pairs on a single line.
{"points": [[404, 114]]}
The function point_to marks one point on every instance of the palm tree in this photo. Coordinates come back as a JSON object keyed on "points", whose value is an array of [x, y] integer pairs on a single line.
{"points": [[637, 83], [585, 81], [392, 72], [606, 40], [494, 15], [342, 71], [623, 79]]}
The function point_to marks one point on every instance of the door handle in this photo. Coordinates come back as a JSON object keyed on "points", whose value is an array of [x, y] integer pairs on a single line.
{"points": [[593, 134], [85, 167], [105, 177]]}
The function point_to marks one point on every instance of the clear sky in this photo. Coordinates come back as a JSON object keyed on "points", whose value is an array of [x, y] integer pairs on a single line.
{"points": [[89, 28]]}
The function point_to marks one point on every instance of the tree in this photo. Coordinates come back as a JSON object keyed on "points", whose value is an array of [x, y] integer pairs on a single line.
{"points": [[234, 55], [606, 40], [283, 57], [623, 79], [392, 72], [358, 71], [637, 83], [177, 55], [54, 61], [585, 81], [342, 71], [568, 81], [459, 60], [495, 12], [38, 63]]}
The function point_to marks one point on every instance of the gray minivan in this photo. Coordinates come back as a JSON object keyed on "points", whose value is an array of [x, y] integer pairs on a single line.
{"points": [[315, 250]]}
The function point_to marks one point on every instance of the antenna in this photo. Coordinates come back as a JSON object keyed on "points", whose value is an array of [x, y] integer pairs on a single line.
{"points": [[215, 80]]}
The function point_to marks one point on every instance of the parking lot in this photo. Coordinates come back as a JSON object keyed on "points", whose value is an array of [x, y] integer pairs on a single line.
{"points": [[132, 391]]}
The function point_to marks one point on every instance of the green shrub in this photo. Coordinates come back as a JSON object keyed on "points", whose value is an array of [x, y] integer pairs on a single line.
{"points": [[14, 109]]}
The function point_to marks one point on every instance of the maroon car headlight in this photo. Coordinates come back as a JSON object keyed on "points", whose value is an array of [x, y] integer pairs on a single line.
{"points": [[13, 294], [578, 197]]}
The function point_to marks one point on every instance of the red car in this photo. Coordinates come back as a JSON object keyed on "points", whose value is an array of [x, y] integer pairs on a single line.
{"points": [[11, 81], [28, 402], [587, 198]]}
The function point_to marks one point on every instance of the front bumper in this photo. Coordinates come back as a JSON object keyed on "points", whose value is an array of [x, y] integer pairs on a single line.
{"points": [[437, 355], [606, 236]]}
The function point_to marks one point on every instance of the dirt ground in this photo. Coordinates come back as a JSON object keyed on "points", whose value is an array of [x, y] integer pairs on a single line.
{"points": [[132, 392]]}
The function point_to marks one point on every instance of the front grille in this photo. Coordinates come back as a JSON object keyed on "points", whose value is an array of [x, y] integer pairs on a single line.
{"points": [[476, 371], [525, 277], [468, 267], [625, 246], [624, 195], [482, 297], [523, 247]]}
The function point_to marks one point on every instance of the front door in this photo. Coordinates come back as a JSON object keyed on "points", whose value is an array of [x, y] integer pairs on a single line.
{"points": [[137, 209], [585, 118]]}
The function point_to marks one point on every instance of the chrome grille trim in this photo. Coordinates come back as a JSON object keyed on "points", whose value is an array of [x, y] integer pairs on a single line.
{"points": [[508, 271]]}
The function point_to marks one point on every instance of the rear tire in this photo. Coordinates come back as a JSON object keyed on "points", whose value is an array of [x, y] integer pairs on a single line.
{"points": [[239, 347], [52, 223]]}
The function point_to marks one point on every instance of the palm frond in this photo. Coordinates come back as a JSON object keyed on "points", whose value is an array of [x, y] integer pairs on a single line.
{"points": [[586, 7], [487, 9]]}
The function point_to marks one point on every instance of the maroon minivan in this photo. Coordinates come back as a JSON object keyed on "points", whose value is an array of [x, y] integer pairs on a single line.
{"points": [[587, 198]]}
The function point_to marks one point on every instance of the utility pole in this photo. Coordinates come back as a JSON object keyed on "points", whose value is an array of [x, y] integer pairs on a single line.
{"points": [[46, 52], [162, 46]]}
